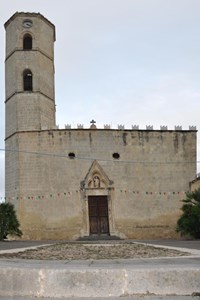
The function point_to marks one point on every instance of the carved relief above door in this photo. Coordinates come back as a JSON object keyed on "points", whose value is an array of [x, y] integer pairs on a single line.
{"points": [[96, 178]]}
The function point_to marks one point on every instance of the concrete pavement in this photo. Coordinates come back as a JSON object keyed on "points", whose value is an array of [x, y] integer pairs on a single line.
{"points": [[188, 244], [133, 278], [112, 298], [20, 244]]}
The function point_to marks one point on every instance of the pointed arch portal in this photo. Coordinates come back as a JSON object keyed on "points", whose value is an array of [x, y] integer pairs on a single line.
{"points": [[97, 195]]}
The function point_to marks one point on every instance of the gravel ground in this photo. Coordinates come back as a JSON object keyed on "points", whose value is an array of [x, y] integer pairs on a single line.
{"points": [[82, 251]]}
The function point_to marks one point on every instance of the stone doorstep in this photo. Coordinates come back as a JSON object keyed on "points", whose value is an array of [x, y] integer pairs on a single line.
{"points": [[60, 280]]}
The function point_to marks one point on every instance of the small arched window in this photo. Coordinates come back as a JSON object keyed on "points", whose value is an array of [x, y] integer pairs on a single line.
{"points": [[28, 80], [27, 42], [71, 155], [116, 155]]}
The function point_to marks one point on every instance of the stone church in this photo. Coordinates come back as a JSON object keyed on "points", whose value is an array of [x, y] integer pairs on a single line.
{"points": [[83, 182]]}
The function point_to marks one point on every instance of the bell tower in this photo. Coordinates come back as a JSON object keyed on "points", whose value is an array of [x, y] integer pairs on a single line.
{"points": [[29, 73]]}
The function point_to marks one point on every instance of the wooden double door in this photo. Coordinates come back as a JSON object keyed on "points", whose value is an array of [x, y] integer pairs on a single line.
{"points": [[98, 215]]}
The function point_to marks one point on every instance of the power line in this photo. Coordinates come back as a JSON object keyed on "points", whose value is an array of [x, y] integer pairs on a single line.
{"points": [[95, 158]]}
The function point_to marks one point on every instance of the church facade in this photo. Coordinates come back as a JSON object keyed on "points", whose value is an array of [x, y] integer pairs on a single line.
{"points": [[84, 182]]}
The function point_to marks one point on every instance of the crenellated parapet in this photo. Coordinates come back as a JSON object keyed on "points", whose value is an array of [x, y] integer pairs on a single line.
{"points": [[133, 127]]}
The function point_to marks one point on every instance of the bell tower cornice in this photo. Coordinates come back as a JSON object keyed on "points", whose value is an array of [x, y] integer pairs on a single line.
{"points": [[30, 15], [36, 49]]}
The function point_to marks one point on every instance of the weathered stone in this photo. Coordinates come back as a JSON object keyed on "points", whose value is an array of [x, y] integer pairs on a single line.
{"points": [[50, 172]]}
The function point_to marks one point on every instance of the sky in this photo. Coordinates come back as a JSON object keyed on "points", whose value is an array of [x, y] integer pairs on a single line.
{"points": [[119, 62]]}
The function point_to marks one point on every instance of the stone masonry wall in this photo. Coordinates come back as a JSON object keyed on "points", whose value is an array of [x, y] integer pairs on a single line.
{"points": [[148, 180]]}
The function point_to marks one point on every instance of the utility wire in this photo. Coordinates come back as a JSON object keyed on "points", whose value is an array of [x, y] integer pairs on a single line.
{"points": [[94, 158]]}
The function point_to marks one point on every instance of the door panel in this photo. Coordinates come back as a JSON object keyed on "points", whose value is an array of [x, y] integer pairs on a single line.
{"points": [[104, 225], [98, 215], [93, 225]]}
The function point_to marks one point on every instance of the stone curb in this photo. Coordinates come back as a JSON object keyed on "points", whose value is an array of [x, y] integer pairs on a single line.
{"points": [[17, 250], [97, 279], [194, 252], [105, 278]]}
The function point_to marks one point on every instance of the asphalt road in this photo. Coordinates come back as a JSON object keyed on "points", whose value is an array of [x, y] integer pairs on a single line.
{"points": [[190, 244]]}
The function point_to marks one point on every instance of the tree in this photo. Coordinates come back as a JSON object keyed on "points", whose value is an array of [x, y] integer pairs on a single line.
{"points": [[8, 221], [189, 222]]}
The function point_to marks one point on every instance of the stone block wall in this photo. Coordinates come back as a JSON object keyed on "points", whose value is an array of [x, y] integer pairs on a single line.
{"points": [[148, 180]]}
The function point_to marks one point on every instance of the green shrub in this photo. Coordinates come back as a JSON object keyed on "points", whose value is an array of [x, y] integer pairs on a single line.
{"points": [[8, 221], [189, 223]]}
